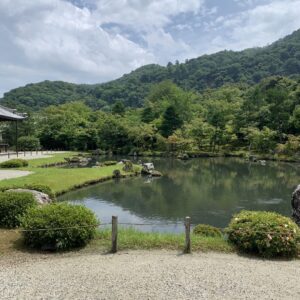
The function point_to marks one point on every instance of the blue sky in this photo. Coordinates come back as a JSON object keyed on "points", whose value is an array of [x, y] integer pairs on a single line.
{"points": [[92, 41]]}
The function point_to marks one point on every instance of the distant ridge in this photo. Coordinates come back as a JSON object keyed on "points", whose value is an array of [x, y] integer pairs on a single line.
{"points": [[249, 66]]}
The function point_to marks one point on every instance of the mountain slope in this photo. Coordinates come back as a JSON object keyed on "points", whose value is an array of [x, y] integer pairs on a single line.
{"points": [[208, 71]]}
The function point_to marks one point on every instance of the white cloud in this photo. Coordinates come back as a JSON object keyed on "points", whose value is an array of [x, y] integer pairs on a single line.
{"points": [[146, 14], [91, 41], [52, 39], [258, 26], [62, 40]]}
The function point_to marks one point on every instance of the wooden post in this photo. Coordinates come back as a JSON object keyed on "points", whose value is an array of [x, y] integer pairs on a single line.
{"points": [[187, 224], [114, 234]]}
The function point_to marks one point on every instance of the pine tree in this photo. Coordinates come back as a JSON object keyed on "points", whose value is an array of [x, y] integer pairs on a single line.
{"points": [[171, 121]]}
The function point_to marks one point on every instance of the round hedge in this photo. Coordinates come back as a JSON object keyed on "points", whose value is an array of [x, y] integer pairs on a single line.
{"points": [[79, 222], [207, 230], [14, 163], [264, 233], [29, 143], [13, 206]]}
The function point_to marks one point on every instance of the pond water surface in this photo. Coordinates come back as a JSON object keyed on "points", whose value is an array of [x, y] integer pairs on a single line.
{"points": [[209, 190]]}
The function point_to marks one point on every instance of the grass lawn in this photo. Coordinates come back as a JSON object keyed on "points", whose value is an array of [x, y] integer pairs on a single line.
{"points": [[59, 179], [131, 239], [128, 239]]}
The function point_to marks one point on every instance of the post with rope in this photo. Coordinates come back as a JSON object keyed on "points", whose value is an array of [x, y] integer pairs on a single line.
{"points": [[187, 224], [114, 234]]}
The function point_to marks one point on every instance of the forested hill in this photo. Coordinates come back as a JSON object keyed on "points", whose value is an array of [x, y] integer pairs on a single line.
{"points": [[208, 71]]}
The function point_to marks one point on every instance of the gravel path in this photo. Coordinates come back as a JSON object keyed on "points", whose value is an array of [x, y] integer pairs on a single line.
{"points": [[28, 155], [8, 174], [148, 275]]}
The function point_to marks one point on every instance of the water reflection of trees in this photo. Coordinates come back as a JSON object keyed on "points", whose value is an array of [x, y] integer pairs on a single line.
{"points": [[210, 190]]}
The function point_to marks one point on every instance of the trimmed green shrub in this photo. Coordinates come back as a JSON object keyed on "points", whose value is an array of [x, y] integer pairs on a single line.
{"points": [[109, 163], [79, 222], [116, 173], [14, 163], [29, 143], [265, 233], [36, 187], [41, 188], [207, 230], [128, 166], [13, 206]]}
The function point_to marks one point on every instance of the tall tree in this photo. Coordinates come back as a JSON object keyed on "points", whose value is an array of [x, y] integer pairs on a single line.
{"points": [[171, 122]]}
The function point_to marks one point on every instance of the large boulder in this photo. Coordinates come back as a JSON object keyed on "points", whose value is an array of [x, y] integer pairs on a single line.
{"points": [[153, 173], [41, 198], [296, 205]]}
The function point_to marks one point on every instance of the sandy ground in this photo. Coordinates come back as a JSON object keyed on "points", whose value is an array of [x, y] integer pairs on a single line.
{"points": [[148, 275], [4, 157], [7, 174]]}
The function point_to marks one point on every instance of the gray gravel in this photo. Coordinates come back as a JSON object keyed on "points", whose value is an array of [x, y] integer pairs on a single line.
{"points": [[147, 275], [8, 174]]}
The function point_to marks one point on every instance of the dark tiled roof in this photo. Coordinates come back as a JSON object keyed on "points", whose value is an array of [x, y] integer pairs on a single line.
{"points": [[7, 114]]}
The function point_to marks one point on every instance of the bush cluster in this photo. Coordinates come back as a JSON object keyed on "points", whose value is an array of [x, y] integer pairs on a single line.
{"points": [[41, 188], [79, 222], [128, 166], [14, 205], [14, 163], [109, 163], [265, 233], [116, 173], [29, 143], [207, 230], [36, 187]]}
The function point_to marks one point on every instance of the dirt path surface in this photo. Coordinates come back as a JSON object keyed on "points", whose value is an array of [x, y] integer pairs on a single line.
{"points": [[8, 174], [28, 155], [148, 275]]}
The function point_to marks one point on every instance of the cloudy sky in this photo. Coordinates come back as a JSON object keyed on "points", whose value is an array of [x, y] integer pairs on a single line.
{"points": [[92, 41]]}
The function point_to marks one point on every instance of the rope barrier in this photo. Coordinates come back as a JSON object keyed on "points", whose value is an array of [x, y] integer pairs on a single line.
{"points": [[141, 224]]}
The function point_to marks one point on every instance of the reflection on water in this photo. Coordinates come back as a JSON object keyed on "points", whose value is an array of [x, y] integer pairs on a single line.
{"points": [[207, 190]]}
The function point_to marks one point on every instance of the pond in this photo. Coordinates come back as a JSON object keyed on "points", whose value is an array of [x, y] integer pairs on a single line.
{"points": [[209, 190]]}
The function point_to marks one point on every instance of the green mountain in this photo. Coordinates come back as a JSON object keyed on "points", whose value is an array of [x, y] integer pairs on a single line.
{"points": [[208, 71]]}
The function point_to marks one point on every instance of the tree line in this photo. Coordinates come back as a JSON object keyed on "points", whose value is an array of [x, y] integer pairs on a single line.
{"points": [[263, 118]]}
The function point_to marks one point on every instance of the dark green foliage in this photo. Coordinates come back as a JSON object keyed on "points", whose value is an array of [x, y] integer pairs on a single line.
{"points": [[28, 143], [261, 119], [116, 173], [148, 115], [79, 221], [14, 163], [46, 93], [171, 121], [207, 230], [67, 127], [113, 135], [264, 233], [128, 166], [118, 108], [14, 205], [109, 163]]}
